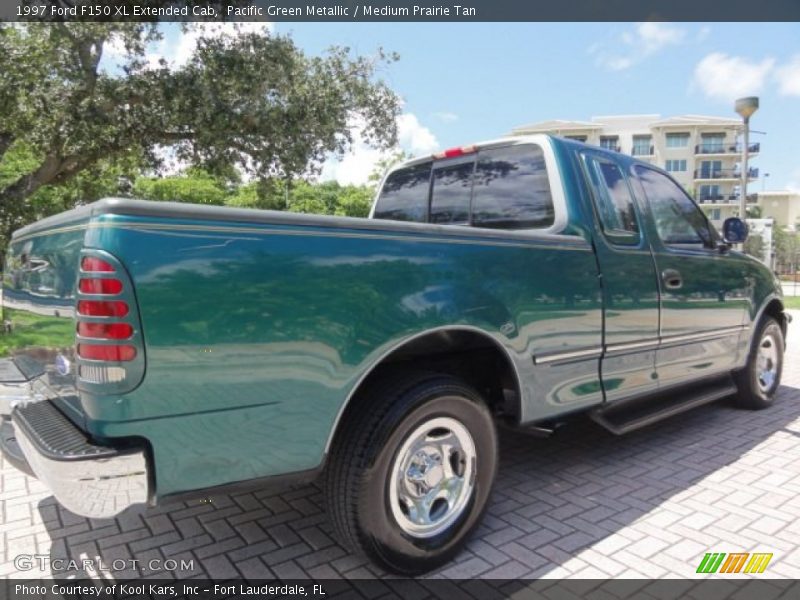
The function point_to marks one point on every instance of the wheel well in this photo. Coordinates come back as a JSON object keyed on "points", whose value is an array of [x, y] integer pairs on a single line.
{"points": [[474, 357], [775, 310]]}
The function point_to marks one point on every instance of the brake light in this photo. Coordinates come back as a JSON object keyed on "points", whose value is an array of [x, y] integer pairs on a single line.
{"points": [[111, 353], [108, 343], [455, 152], [102, 308], [100, 286], [94, 264], [105, 331]]}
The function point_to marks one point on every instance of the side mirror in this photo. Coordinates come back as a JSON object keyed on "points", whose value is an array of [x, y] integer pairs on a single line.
{"points": [[734, 231]]}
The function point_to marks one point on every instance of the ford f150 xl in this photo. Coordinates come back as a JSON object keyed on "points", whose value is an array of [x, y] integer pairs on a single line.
{"points": [[160, 350]]}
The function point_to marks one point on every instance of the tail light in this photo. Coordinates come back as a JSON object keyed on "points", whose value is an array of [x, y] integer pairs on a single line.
{"points": [[108, 349], [456, 152]]}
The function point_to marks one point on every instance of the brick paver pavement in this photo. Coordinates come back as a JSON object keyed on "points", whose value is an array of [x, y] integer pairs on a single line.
{"points": [[583, 503]]}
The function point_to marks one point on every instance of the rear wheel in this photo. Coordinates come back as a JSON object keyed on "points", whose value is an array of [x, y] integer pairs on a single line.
{"points": [[758, 382], [410, 475]]}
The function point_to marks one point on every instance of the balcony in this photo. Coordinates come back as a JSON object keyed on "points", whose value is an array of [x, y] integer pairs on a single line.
{"points": [[734, 174], [726, 149], [717, 198], [643, 151], [724, 198]]}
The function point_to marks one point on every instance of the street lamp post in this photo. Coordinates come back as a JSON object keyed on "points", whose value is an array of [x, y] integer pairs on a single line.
{"points": [[745, 107]]}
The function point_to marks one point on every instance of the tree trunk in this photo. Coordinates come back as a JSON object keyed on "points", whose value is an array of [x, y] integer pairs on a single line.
{"points": [[54, 169]]}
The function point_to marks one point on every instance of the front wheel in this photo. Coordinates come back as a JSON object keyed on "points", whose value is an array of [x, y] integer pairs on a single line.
{"points": [[758, 382], [411, 474]]}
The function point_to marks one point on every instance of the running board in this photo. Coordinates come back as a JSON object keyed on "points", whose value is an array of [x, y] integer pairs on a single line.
{"points": [[630, 415]]}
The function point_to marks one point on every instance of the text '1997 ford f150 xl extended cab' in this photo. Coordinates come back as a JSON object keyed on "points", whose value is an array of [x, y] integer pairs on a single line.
{"points": [[163, 349]]}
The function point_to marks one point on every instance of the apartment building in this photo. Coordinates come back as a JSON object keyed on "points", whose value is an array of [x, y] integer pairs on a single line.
{"points": [[702, 153]]}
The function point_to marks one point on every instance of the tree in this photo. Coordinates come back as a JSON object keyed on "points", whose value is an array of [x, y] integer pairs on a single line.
{"points": [[754, 246], [195, 185], [787, 249], [244, 100]]}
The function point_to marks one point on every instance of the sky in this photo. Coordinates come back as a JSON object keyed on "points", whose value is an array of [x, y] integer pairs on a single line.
{"points": [[466, 82]]}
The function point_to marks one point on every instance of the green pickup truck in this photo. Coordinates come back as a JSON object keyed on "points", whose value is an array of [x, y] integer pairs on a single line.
{"points": [[161, 350]]}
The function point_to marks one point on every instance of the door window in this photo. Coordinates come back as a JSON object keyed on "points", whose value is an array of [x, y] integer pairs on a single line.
{"points": [[678, 219]]}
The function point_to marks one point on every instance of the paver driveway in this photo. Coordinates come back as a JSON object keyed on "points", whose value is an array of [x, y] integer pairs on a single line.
{"points": [[583, 503]]}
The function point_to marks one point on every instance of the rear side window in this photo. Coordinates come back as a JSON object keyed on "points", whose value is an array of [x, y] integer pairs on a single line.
{"points": [[404, 195], [452, 187], [511, 189]]}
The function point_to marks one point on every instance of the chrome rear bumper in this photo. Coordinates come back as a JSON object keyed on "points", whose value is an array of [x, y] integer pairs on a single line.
{"points": [[87, 479]]}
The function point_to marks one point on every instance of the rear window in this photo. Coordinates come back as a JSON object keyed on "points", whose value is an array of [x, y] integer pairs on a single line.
{"points": [[452, 186], [500, 188], [404, 196]]}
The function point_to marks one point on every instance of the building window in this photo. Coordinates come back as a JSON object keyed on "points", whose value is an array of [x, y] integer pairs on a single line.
{"points": [[712, 142], [710, 169], [609, 142], [710, 192], [716, 214], [577, 138], [642, 145], [675, 166], [677, 140]]}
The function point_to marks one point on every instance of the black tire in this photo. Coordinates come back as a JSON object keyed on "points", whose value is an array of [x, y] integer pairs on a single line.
{"points": [[365, 462], [756, 385]]}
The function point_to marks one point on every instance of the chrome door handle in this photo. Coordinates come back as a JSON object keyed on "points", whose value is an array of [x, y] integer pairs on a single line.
{"points": [[672, 279]]}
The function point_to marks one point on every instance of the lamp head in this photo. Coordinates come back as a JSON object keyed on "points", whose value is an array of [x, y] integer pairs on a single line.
{"points": [[745, 107]]}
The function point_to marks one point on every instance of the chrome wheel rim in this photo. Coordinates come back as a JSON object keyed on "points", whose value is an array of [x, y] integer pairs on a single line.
{"points": [[767, 362], [432, 477]]}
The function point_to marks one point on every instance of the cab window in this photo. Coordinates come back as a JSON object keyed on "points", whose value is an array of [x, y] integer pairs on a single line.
{"points": [[677, 218], [501, 188], [404, 195], [451, 191], [512, 190], [613, 199]]}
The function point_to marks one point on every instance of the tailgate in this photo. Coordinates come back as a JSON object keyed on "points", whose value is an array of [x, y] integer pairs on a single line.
{"points": [[37, 340]]}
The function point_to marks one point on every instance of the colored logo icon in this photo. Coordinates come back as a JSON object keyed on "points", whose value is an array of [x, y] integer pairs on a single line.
{"points": [[736, 562]]}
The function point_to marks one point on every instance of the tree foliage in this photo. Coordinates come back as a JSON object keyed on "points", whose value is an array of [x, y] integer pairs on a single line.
{"points": [[787, 249], [247, 101], [754, 246]]}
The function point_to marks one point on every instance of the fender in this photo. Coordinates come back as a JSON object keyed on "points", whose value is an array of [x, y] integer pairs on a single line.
{"points": [[384, 355]]}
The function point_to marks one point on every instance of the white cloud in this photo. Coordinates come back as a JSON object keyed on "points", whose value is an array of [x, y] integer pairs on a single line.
{"points": [[633, 47], [356, 166], [788, 77], [413, 136], [725, 77], [794, 182], [702, 33], [187, 43], [446, 117], [177, 52]]}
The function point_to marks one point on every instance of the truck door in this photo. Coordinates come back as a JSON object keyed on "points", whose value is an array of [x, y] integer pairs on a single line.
{"points": [[630, 287], [703, 292]]}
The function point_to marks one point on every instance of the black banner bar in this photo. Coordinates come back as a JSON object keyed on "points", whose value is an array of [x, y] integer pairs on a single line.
{"points": [[738, 587], [400, 10]]}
